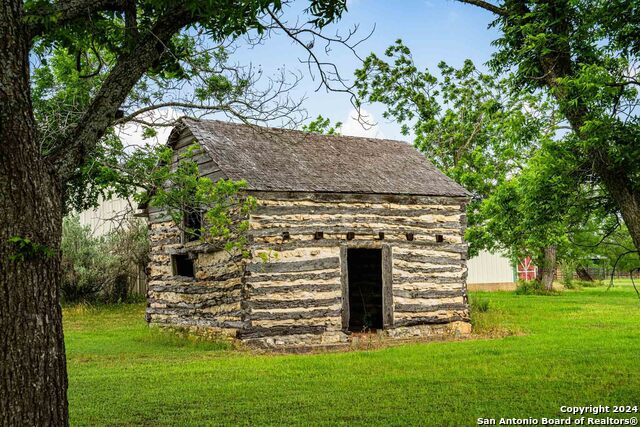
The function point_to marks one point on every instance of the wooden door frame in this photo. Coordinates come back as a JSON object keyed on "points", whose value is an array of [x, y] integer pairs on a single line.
{"points": [[387, 287], [387, 284]]}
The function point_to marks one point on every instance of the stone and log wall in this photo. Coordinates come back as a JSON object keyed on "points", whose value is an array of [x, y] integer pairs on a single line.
{"points": [[294, 284], [212, 301]]}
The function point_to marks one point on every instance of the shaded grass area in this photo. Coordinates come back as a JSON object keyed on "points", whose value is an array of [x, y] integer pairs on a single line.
{"points": [[576, 348]]}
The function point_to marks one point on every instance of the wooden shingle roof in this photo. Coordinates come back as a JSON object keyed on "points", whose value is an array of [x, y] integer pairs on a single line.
{"points": [[271, 159]]}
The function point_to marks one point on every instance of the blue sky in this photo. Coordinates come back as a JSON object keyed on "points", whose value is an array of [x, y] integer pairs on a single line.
{"points": [[434, 30]]}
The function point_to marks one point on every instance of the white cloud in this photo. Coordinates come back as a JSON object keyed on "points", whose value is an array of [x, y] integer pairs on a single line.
{"points": [[352, 127]]}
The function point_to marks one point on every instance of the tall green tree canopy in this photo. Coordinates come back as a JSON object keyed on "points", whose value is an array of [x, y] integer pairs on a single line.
{"points": [[471, 124], [583, 54], [578, 60]]}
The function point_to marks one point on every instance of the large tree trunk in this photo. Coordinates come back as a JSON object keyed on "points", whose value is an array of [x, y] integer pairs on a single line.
{"points": [[33, 381], [627, 199], [548, 267], [557, 65]]}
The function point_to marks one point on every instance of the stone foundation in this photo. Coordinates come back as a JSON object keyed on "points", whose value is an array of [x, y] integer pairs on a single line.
{"points": [[300, 340], [332, 339], [453, 330]]}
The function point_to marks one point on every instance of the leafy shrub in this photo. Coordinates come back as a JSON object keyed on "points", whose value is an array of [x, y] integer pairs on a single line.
{"points": [[573, 285], [567, 268], [479, 305], [533, 287], [99, 269], [129, 247], [84, 262]]}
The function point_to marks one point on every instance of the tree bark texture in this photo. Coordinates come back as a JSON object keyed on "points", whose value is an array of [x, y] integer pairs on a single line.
{"points": [[548, 267], [33, 380], [622, 191], [558, 64], [618, 182]]}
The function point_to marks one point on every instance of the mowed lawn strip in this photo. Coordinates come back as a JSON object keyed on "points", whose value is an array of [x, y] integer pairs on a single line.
{"points": [[577, 348]]}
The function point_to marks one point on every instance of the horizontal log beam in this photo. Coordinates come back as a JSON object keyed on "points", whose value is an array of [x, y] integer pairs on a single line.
{"points": [[427, 259], [429, 320], [356, 223], [426, 230], [219, 277], [292, 277], [434, 294], [426, 279], [195, 246], [294, 315], [205, 303], [360, 198], [250, 333], [295, 266], [428, 270], [194, 321], [179, 312], [192, 289], [272, 210], [419, 308], [267, 289], [456, 248], [299, 303]]}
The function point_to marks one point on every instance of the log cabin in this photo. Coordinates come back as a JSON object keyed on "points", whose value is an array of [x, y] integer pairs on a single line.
{"points": [[349, 235]]}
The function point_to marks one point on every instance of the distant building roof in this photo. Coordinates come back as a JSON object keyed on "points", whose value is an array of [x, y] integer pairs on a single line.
{"points": [[271, 159]]}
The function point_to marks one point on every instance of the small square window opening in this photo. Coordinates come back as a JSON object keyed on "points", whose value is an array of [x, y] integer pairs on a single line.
{"points": [[182, 265]]}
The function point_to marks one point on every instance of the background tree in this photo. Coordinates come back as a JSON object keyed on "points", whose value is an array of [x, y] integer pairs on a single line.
{"points": [[584, 54], [101, 268], [603, 242], [98, 64], [530, 213], [477, 130]]}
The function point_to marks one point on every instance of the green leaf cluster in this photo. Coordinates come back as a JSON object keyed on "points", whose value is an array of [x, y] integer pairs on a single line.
{"points": [[25, 249], [180, 190], [322, 126], [472, 125]]}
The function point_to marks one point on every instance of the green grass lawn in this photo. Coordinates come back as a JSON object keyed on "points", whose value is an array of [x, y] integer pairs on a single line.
{"points": [[577, 348]]}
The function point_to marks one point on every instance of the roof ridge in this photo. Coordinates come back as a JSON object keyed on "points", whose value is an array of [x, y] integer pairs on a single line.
{"points": [[276, 159], [287, 130]]}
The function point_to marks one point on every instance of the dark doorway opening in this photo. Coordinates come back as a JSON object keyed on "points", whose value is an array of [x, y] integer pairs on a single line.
{"points": [[365, 289]]}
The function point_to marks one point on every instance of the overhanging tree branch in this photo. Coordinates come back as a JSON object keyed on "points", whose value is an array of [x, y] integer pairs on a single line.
{"points": [[486, 6], [61, 13], [78, 142], [327, 73], [71, 150]]}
